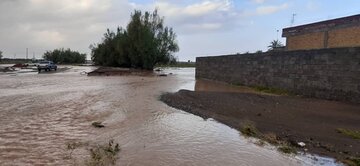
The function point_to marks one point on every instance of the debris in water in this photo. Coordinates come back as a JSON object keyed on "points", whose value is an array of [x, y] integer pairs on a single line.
{"points": [[162, 75], [98, 124], [83, 73], [301, 144], [158, 69]]}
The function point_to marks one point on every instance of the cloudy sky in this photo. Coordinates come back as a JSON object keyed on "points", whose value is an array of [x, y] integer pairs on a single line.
{"points": [[203, 27]]}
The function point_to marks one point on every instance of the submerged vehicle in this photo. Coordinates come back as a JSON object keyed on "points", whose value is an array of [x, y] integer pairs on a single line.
{"points": [[47, 66]]}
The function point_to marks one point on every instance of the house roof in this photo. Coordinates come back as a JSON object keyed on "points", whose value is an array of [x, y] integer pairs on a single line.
{"points": [[322, 26]]}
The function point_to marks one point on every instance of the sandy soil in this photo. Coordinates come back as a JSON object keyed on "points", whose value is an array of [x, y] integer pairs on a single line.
{"points": [[292, 119]]}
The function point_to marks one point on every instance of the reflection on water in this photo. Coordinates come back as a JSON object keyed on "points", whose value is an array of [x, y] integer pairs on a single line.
{"points": [[212, 86], [41, 113]]}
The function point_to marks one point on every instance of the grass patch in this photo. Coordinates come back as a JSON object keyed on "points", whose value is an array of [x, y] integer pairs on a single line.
{"points": [[178, 64], [104, 155], [271, 90], [287, 149], [249, 130], [352, 161], [98, 124], [271, 138], [71, 146], [351, 133], [260, 143]]}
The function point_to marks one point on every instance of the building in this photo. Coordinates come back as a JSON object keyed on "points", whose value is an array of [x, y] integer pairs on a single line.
{"points": [[341, 32]]}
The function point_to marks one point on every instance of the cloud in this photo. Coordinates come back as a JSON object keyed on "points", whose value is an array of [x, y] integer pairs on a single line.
{"points": [[42, 25], [71, 5], [207, 7], [51, 36], [312, 5], [197, 17], [258, 1], [47, 24], [205, 26], [264, 10], [196, 9]]}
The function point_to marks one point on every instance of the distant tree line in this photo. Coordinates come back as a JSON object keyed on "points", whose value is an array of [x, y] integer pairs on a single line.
{"points": [[64, 56], [1, 55], [144, 43]]}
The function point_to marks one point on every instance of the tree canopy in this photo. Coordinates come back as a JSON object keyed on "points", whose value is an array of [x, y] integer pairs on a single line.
{"points": [[1, 55], [64, 56], [275, 44], [144, 43]]}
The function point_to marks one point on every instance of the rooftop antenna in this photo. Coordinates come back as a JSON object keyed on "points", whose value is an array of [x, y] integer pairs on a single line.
{"points": [[293, 19]]}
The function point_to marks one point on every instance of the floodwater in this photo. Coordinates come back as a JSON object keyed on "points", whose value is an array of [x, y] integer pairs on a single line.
{"points": [[41, 113]]}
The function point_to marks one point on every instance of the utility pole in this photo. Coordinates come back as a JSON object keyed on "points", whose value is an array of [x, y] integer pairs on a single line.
{"points": [[27, 52], [293, 19]]}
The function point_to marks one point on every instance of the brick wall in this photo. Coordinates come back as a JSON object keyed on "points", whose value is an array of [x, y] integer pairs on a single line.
{"points": [[341, 37], [335, 33], [324, 73], [306, 41], [345, 37]]}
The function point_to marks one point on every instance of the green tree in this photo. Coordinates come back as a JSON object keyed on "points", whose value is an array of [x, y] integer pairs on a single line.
{"points": [[1, 55], [64, 56], [275, 44], [145, 43]]}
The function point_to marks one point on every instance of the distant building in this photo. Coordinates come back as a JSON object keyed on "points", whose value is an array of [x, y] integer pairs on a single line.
{"points": [[341, 32]]}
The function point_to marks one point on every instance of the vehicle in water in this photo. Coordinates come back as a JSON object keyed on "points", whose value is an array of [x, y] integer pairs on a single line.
{"points": [[47, 66]]}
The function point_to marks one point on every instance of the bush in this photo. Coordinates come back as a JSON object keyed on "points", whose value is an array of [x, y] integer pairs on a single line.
{"points": [[248, 129], [104, 155], [351, 133], [64, 56]]}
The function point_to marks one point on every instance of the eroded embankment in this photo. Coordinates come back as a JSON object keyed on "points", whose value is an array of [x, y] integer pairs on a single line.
{"points": [[114, 71], [315, 122]]}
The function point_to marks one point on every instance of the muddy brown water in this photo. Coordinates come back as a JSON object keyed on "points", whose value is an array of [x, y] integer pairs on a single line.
{"points": [[41, 113]]}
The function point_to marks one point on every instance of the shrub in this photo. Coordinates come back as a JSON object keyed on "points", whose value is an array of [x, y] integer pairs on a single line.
{"points": [[144, 43], [64, 56]]}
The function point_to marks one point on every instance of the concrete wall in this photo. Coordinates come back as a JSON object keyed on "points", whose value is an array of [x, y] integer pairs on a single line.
{"points": [[324, 73]]}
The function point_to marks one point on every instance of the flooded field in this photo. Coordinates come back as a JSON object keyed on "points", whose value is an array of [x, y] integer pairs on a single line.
{"points": [[42, 113]]}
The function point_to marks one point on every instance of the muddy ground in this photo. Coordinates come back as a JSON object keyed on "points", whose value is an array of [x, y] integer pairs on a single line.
{"points": [[113, 71], [292, 119], [43, 113]]}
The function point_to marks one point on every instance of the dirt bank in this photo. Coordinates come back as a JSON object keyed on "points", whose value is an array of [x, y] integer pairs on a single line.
{"points": [[114, 71], [292, 119]]}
